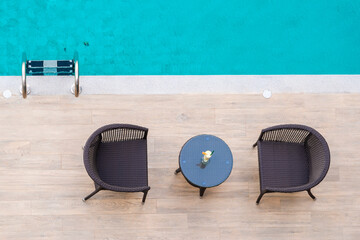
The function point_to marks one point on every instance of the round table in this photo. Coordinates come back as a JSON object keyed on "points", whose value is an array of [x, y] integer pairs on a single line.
{"points": [[212, 174]]}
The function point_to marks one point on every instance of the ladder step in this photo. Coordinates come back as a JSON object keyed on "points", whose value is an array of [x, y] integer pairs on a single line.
{"points": [[35, 63], [65, 63], [50, 67]]}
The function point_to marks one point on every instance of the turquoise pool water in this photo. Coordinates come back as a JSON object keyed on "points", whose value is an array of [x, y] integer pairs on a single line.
{"points": [[133, 37]]}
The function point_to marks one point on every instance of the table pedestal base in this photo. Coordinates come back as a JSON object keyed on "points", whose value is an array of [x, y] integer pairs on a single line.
{"points": [[177, 171], [202, 190]]}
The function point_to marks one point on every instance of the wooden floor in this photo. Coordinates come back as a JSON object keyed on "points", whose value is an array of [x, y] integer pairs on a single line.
{"points": [[42, 177]]}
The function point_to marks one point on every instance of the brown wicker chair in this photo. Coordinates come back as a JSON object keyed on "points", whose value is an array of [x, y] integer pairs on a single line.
{"points": [[292, 158], [115, 157]]}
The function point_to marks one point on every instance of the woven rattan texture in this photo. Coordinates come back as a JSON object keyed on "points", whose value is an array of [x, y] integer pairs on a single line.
{"points": [[115, 157], [123, 163], [292, 158], [283, 164]]}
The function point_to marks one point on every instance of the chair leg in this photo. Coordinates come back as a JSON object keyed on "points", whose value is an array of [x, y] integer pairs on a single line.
{"points": [[92, 194], [310, 194], [144, 196], [259, 198]]}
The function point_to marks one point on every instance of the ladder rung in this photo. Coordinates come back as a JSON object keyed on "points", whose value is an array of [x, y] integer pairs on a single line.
{"points": [[50, 67], [51, 74], [50, 63], [69, 67]]}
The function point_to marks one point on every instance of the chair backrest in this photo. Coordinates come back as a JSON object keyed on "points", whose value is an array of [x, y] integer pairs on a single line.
{"points": [[90, 149], [291, 135], [123, 133], [318, 156]]}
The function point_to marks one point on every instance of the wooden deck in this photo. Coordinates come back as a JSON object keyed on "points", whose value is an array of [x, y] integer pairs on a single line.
{"points": [[42, 177]]}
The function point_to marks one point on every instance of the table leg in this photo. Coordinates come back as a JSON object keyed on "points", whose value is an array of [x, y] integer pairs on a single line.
{"points": [[202, 190], [177, 171]]}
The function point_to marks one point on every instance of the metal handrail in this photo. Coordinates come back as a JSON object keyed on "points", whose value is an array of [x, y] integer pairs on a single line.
{"points": [[23, 76], [77, 84], [25, 89]]}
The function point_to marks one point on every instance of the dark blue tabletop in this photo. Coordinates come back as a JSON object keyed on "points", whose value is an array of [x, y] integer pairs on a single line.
{"points": [[218, 168]]}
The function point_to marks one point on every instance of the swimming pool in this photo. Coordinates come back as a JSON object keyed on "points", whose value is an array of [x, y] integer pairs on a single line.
{"points": [[133, 37]]}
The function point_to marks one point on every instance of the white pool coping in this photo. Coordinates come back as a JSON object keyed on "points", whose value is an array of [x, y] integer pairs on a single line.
{"points": [[186, 84]]}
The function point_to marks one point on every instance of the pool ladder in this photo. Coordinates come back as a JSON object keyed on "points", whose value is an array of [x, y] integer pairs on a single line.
{"points": [[50, 67]]}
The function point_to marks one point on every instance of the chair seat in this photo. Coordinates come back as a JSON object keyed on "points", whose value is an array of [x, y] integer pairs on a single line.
{"points": [[114, 167], [282, 165]]}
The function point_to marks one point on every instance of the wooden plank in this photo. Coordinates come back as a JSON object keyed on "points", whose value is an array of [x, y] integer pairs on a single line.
{"points": [[125, 221], [93, 206], [43, 179]]}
